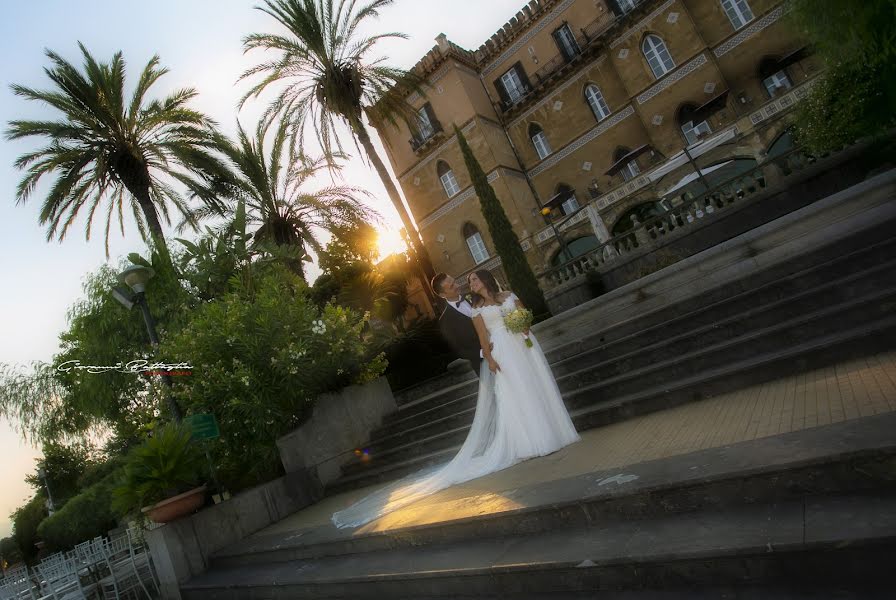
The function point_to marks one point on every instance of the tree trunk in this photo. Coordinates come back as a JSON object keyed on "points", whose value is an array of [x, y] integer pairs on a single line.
{"points": [[158, 238], [154, 225], [422, 258]]}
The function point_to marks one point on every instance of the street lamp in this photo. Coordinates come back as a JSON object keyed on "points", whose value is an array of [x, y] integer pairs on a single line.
{"points": [[42, 475], [136, 278]]}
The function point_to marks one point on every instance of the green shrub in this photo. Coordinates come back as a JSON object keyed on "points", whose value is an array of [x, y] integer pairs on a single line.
{"points": [[260, 358], [26, 519], [167, 464], [84, 517]]}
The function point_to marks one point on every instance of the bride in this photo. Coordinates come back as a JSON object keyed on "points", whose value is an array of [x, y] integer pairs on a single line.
{"points": [[519, 412]]}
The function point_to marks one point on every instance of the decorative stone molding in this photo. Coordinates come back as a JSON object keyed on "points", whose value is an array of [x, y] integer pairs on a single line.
{"points": [[623, 54], [657, 120], [435, 153], [582, 140], [781, 103], [748, 32], [557, 91], [455, 202], [673, 78], [546, 233], [622, 191], [524, 39], [642, 23]]}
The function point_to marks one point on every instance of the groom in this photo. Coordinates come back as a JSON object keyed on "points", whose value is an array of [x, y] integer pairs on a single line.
{"points": [[456, 321]]}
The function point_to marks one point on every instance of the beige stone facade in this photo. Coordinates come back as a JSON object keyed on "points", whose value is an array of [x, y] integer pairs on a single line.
{"points": [[550, 102]]}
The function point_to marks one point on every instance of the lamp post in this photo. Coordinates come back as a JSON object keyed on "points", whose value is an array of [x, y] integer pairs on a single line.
{"points": [[42, 474], [136, 278]]}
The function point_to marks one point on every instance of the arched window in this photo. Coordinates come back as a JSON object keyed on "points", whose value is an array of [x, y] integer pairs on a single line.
{"points": [[657, 55], [631, 169], [596, 102], [539, 140], [692, 131], [575, 248], [642, 212], [774, 78], [475, 243], [446, 176], [570, 204], [738, 12]]}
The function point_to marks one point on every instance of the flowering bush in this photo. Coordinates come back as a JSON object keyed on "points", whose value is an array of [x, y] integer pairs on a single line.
{"points": [[260, 358]]}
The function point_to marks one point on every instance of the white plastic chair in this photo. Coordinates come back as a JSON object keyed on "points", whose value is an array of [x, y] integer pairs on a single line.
{"points": [[123, 578], [61, 580]]}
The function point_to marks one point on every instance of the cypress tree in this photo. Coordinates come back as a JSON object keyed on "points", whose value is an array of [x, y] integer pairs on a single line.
{"points": [[507, 245]]}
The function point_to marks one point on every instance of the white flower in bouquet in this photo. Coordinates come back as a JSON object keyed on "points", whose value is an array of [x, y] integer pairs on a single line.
{"points": [[518, 321]]}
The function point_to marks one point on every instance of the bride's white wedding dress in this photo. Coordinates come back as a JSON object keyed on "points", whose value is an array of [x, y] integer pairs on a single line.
{"points": [[519, 414]]}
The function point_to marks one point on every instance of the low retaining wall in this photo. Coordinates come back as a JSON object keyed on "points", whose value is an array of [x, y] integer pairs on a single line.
{"points": [[340, 423], [181, 549]]}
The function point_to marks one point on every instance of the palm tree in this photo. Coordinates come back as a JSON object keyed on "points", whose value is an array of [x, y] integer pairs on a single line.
{"points": [[272, 186], [329, 81], [113, 153]]}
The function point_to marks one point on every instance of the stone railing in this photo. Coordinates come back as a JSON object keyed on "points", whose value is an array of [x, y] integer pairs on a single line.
{"points": [[683, 214]]}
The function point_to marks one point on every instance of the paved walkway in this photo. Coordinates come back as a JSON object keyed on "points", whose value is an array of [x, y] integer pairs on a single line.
{"points": [[850, 390]]}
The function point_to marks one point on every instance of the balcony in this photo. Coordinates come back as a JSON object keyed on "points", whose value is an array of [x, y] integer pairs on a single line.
{"points": [[424, 139]]}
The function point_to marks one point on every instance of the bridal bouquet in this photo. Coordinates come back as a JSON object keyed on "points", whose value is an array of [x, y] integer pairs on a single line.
{"points": [[518, 321]]}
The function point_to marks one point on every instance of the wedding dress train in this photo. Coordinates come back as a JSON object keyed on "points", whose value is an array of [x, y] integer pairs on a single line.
{"points": [[519, 414]]}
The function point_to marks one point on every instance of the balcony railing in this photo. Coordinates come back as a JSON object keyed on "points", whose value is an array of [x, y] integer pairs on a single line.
{"points": [[681, 215], [422, 138]]}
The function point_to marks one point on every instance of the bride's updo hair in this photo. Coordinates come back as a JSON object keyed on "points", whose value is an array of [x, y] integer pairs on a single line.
{"points": [[490, 283]]}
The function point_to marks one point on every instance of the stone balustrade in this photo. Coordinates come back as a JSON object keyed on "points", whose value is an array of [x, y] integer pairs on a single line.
{"points": [[683, 214]]}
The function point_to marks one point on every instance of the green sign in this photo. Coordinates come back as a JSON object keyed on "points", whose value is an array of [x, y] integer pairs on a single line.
{"points": [[204, 426]]}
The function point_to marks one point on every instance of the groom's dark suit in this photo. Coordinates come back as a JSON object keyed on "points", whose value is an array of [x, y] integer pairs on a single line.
{"points": [[457, 328]]}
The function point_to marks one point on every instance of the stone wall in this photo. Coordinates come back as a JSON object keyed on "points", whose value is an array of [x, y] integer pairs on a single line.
{"points": [[182, 549], [340, 423]]}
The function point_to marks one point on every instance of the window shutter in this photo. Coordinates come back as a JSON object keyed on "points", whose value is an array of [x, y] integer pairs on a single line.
{"points": [[518, 66], [429, 113], [505, 98]]}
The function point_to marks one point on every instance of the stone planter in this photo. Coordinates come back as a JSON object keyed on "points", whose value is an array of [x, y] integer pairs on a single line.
{"points": [[176, 507]]}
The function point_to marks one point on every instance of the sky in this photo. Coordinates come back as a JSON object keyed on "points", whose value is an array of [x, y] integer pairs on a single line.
{"points": [[200, 42]]}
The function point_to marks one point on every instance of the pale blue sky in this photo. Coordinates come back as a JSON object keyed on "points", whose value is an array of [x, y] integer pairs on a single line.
{"points": [[199, 40]]}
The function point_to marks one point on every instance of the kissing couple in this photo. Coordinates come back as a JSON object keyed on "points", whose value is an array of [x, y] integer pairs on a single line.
{"points": [[519, 410]]}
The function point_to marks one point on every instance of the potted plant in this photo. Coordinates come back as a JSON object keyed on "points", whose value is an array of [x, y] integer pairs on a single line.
{"points": [[162, 477]]}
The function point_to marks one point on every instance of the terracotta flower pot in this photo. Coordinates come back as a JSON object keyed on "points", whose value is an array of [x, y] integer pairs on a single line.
{"points": [[176, 507]]}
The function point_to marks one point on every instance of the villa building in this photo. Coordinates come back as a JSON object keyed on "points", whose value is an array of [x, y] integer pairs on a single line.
{"points": [[584, 107]]}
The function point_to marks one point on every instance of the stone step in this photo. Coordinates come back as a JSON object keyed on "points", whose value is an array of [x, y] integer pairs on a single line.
{"points": [[757, 310], [755, 286], [834, 541], [650, 369], [650, 345], [668, 322], [591, 407], [850, 456], [409, 396], [760, 512]]}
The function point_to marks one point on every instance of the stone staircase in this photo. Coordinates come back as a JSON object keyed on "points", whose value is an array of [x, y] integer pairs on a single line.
{"points": [[809, 514], [767, 325], [806, 514]]}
